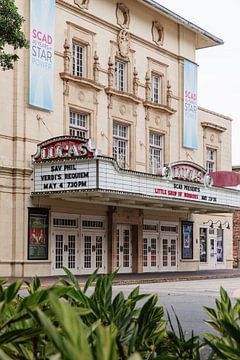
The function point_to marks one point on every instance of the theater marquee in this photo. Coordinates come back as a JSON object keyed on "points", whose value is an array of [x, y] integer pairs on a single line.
{"points": [[65, 165]]}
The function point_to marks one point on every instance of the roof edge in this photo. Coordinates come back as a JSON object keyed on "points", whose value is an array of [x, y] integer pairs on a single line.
{"points": [[185, 22]]}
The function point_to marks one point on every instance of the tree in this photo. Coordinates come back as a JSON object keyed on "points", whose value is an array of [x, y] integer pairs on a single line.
{"points": [[11, 35]]}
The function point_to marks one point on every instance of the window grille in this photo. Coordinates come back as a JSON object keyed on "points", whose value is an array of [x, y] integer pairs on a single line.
{"points": [[120, 75], [156, 89], [211, 160], [150, 227], [78, 60], [62, 222], [120, 144], [169, 228], [93, 224], [79, 124], [155, 152]]}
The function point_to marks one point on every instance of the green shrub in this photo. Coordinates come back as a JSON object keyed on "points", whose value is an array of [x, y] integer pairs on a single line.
{"points": [[67, 322], [225, 321]]}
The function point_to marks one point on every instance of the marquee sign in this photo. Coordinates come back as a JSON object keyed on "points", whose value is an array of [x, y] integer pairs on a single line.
{"points": [[64, 147], [103, 174], [186, 171], [64, 176]]}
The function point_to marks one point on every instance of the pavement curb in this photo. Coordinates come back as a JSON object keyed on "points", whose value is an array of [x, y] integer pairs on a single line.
{"points": [[139, 281], [167, 279]]}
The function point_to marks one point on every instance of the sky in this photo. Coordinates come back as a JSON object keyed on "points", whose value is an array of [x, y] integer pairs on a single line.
{"points": [[219, 66]]}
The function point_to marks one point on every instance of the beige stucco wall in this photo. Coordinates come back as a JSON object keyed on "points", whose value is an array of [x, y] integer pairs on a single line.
{"points": [[23, 126]]}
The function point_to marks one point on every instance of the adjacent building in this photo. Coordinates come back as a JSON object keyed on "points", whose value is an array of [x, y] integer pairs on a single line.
{"points": [[104, 154]]}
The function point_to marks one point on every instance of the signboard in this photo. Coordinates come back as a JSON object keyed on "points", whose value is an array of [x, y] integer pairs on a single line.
{"points": [[42, 24], [186, 171], [187, 239], [190, 125], [103, 174], [111, 178], [64, 176], [64, 147], [38, 234], [57, 167]]}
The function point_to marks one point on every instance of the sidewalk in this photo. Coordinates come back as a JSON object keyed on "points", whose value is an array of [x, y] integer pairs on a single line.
{"points": [[143, 278]]}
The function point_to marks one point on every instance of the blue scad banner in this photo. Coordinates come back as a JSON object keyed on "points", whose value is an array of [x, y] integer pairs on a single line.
{"points": [[190, 123], [41, 53]]}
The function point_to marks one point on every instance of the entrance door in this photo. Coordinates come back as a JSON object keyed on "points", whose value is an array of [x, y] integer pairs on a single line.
{"points": [[215, 248], [64, 252], [212, 252], [211, 249], [124, 248], [93, 252], [150, 253], [169, 252]]}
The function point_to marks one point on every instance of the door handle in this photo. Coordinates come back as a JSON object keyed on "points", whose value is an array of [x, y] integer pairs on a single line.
{"points": [[93, 248], [149, 248], [65, 248], [169, 249], [121, 248]]}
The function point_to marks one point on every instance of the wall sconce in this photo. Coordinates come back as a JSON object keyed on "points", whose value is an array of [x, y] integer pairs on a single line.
{"points": [[220, 224], [211, 223], [227, 225]]}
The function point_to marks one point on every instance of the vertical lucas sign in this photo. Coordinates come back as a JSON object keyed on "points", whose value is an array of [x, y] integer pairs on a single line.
{"points": [[41, 53], [190, 127]]}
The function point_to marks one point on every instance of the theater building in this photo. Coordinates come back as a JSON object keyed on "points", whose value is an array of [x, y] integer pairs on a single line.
{"points": [[105, 156]]}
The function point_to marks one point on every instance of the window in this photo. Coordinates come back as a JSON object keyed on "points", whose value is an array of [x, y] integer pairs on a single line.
{"points": [[79, 124], [120, 75], [211, 160], [156, 89], [155, 152], [79, 60], [93, 224], [120, 144], [62, 222]]}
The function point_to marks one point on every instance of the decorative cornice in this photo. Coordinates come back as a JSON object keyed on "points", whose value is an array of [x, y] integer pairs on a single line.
{"points": [[124, 95], [81, 81], [15, 171], [86, 15], [18, 138], [215, 113], [213, 126], [115, 28], [160, 107], [155, 61], [89, 32]]}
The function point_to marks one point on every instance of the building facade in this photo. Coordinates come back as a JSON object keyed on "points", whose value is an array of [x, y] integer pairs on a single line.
{"points": [[111, 171]]}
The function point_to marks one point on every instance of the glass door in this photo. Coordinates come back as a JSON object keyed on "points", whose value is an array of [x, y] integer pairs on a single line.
{"points": [[93, 253], [169, 253], [150, 254], [124, 248], [64, 252]]}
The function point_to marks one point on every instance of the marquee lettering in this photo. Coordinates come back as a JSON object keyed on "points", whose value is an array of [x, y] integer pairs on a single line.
{"points": [[63, 148]]}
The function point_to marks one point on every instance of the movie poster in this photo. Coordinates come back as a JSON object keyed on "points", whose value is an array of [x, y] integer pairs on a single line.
{"points": [[187, 240], [38, 234]]}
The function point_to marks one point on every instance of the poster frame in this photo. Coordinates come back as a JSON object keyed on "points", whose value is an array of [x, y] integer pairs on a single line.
{"points": [[42, 214]]}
